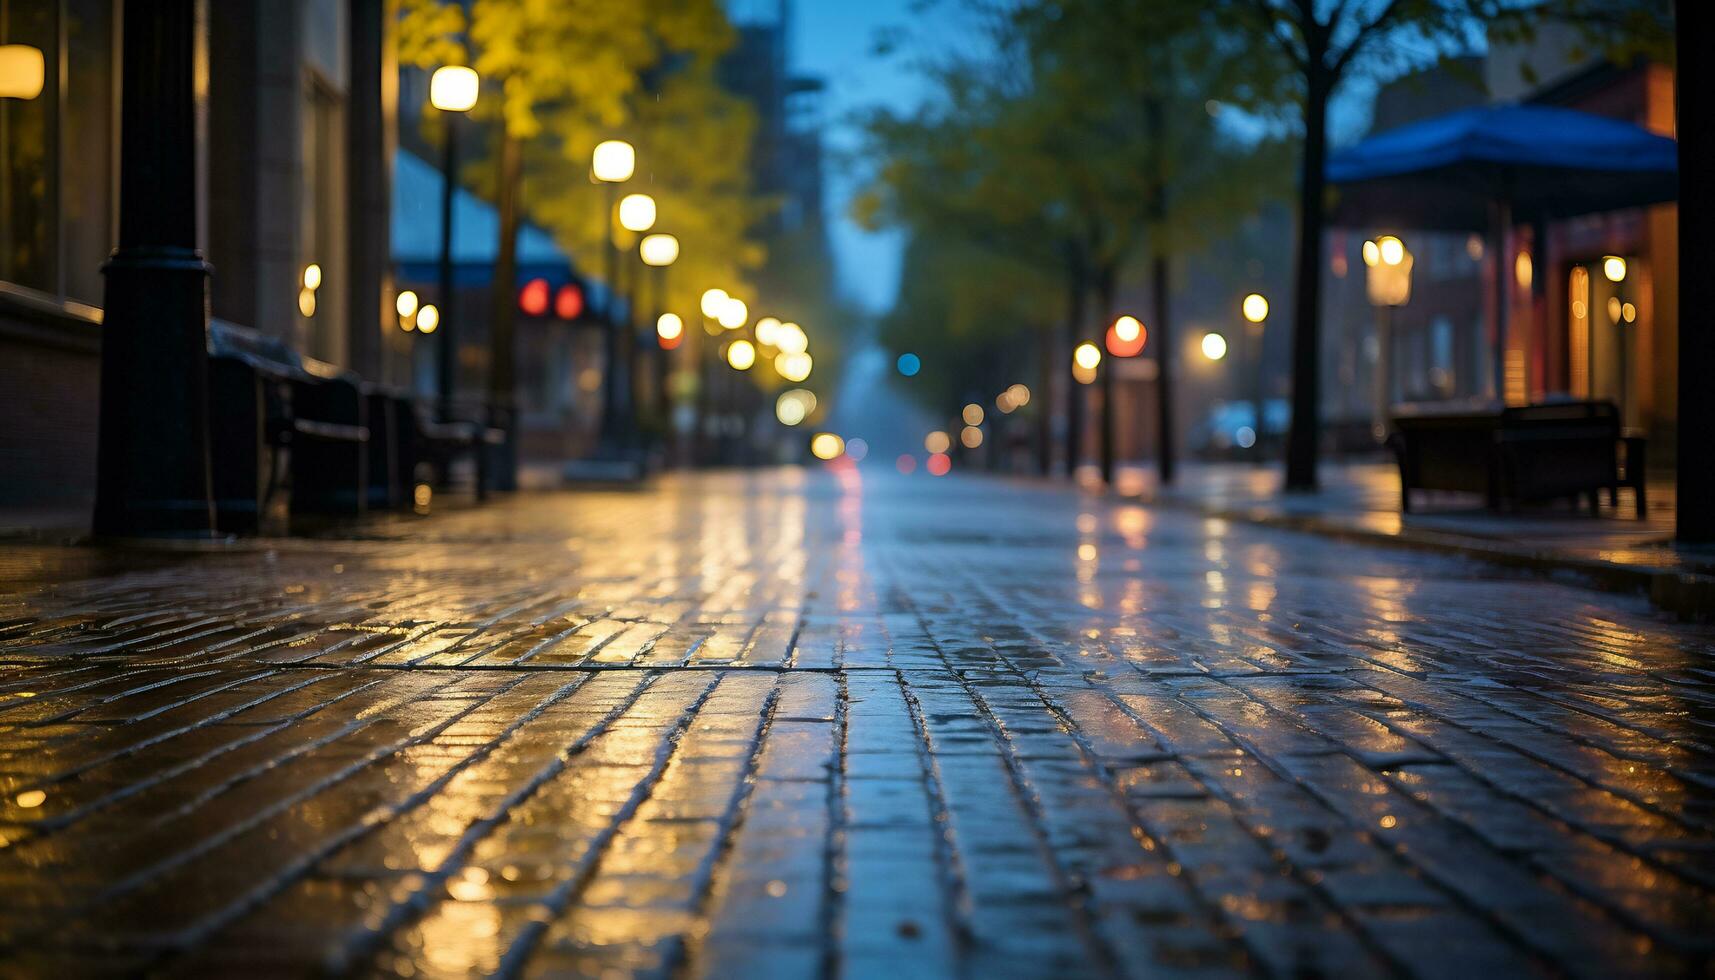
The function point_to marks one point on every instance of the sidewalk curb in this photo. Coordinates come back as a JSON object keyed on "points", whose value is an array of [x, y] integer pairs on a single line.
{"points": [[1688, 595]]}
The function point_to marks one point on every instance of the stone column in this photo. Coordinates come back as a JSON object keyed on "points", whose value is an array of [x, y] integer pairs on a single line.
{"points": [[152, 474]]}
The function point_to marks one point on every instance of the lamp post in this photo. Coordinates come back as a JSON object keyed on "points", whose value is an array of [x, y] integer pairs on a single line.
{"points": [[1388, 280], [659, 252], [452, 90], [1255, 309], [612, 163]]}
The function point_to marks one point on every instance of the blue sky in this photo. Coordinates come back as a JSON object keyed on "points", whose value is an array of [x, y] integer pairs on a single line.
{"points": [[835, 40]]}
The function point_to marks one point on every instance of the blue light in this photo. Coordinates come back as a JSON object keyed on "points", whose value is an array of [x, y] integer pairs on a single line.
{"points": [[910, 364]]}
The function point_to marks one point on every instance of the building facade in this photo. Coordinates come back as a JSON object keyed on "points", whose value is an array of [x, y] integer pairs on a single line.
{"points": [[293, 186]]}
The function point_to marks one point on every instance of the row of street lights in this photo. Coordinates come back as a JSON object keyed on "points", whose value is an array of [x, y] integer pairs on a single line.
{"points": [[453, 89]]}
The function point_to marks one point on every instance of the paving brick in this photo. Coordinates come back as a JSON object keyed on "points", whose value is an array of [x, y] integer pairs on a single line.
{"points": [[702, 730]]}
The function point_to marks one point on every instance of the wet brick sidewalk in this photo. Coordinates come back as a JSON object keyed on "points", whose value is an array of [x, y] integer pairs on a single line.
{"points": [[789, 725]]}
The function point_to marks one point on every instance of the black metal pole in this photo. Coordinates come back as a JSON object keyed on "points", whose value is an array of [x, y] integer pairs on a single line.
{"points": [[611, 424], [153, 471], [447, 351], [1695, 466]]}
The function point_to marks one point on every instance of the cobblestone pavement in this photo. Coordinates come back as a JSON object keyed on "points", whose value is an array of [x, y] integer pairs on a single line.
{"points": [[789, 725]]}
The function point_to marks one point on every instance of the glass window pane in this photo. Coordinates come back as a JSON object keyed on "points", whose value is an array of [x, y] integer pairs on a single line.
{"points": [[27, 138], [87, 195]]}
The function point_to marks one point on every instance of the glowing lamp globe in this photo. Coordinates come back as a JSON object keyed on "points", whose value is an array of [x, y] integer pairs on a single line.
{"points": [[613, 161], [453, 88]]}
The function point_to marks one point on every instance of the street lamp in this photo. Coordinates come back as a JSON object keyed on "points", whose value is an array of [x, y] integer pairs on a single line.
{"points": [[1255, 309], [452, 90], [1388, 282], [1214, 346], [637, 212], [611, 164], [659, 251]]}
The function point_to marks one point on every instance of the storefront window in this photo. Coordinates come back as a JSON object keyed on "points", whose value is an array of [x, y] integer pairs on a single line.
{"points": [[56, 150]]}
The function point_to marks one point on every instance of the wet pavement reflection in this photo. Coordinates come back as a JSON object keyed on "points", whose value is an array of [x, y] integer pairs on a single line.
{"points": [[844, 723]]}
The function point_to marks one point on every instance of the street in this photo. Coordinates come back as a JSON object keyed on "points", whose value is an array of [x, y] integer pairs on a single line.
{"points": [[845, 723]]}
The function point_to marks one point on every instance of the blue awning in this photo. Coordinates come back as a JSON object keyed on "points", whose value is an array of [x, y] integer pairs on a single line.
{"points": [[476, 224], [1542, 162]]}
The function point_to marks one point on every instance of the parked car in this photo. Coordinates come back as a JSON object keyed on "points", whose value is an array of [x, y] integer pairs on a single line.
{"points": [[1229, 430]]}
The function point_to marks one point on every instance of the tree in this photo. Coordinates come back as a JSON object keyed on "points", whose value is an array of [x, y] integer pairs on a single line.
{"points": [[1316, 46], [582, 59]]}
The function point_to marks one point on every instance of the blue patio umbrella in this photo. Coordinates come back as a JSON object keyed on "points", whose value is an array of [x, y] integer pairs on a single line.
{"points": [[1452, 172], [1483, 168]]}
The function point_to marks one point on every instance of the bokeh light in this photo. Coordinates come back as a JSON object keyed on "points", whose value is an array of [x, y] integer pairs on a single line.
{"points": [[768, 331], [1214, 346], [856, 449], [973, 414], [793, 407], [428, 318], [937, 442], [1087, 356], [794, 366], [909, 364], [1019, 394], [1255, 308], [791, 338], [405, 304], [826, 445], [971, 436], [669, 327], [741, 354], [1126, 337], [906, 463], [939, 464], [734, 313], [714, 300]]}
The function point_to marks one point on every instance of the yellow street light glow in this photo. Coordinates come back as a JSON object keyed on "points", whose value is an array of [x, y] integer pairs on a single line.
{"points": [[1087, 356], [637, 212], [741, 354], [1629, 313], [1392, 250], [793, 407], [659, 250], [1214, 346], [794, 366], [613, 161], [668, 326], [714, 300], [1256, 308], [973, 414], [1523, 270], [791, 338], [312, 276], [428, 318], [1372, 253], [1614, 268], [1127, 329], [405, 304], [826, 445], [971, 436], [23, 71], [768, 331], [307, 302], [452, 88], [734, 313], [937, 442]]}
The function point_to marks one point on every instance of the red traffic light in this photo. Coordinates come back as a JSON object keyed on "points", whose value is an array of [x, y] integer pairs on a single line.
{"points": [[533, 298], [569, 302]]}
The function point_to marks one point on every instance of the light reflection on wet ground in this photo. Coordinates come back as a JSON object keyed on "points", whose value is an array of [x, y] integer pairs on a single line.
{"points": [[845, 722]]}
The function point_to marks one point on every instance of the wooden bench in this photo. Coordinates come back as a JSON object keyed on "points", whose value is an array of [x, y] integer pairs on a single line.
{"points": [[1558, 450]]}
